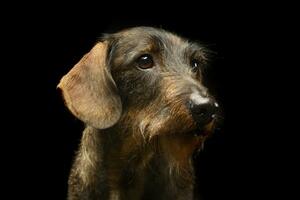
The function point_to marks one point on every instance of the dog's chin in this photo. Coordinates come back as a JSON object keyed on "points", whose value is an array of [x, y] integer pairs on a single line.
{"points": [[200, 134]]}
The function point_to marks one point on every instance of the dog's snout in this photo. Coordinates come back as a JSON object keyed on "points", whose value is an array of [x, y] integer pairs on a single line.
{"points": [[203, 113]]}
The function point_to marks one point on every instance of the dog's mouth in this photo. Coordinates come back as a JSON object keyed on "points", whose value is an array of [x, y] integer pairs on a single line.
{"points": [[208, 128], [201, 133]]}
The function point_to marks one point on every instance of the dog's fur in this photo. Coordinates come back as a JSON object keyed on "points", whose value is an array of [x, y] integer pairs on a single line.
{"points": [[138, 141]]}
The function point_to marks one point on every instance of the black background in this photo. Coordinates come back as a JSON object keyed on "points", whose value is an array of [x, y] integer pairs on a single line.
{"points": [[241, 161]]}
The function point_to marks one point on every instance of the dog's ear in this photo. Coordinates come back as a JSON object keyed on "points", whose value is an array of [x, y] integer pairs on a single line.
{"points": [[90, 91]]}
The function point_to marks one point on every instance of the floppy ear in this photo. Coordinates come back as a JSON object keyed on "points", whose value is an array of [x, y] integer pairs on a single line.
{"points": [[90, 91]]}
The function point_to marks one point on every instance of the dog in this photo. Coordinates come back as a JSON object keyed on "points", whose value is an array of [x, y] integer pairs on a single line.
{"points": [[141, 95]]}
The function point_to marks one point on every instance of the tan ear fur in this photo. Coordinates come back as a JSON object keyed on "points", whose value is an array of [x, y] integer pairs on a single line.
{"points": [[90, 92]]}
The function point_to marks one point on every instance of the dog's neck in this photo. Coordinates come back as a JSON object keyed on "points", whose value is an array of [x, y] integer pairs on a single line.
{"points": [[126, 167]]}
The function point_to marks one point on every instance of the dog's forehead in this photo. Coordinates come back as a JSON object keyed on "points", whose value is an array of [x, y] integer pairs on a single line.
{"points": [[171, 49], [140, 36]]}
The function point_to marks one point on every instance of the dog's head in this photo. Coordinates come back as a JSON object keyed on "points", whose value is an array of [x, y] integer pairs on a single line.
{"points": [[144, 79]]}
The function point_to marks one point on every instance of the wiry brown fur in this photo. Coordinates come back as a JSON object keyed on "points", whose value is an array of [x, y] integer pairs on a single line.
{"points": [[137, 142]]}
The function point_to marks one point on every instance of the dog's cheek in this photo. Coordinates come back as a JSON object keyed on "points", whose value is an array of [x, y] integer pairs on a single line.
{"points": [[167, 121], [137, 88]]}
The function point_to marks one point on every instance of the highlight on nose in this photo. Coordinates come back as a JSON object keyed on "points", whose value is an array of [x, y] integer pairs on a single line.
{"points": [[203, 109]]}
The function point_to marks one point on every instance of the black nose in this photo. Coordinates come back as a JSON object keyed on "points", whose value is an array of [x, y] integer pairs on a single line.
{"points": [[205, 112]]}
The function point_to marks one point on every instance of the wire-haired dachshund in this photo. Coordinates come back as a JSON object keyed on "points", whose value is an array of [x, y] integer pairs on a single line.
{"points": [[141, 96]]}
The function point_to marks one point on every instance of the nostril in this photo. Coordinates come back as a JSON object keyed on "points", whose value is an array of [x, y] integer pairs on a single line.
{"points": [[199, 110], [203, 113]]}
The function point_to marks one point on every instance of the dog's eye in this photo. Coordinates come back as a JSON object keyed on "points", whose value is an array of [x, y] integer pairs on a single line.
{"points": [[195, 65], [145, 61]]}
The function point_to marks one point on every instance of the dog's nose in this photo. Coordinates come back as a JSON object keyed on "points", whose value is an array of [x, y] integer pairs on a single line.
{"points": [[203, 113]]}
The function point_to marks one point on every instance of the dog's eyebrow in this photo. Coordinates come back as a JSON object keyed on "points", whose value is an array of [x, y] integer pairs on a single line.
{"points": [[194, 46], [157, 42], [195, 50], [153, 44]]}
